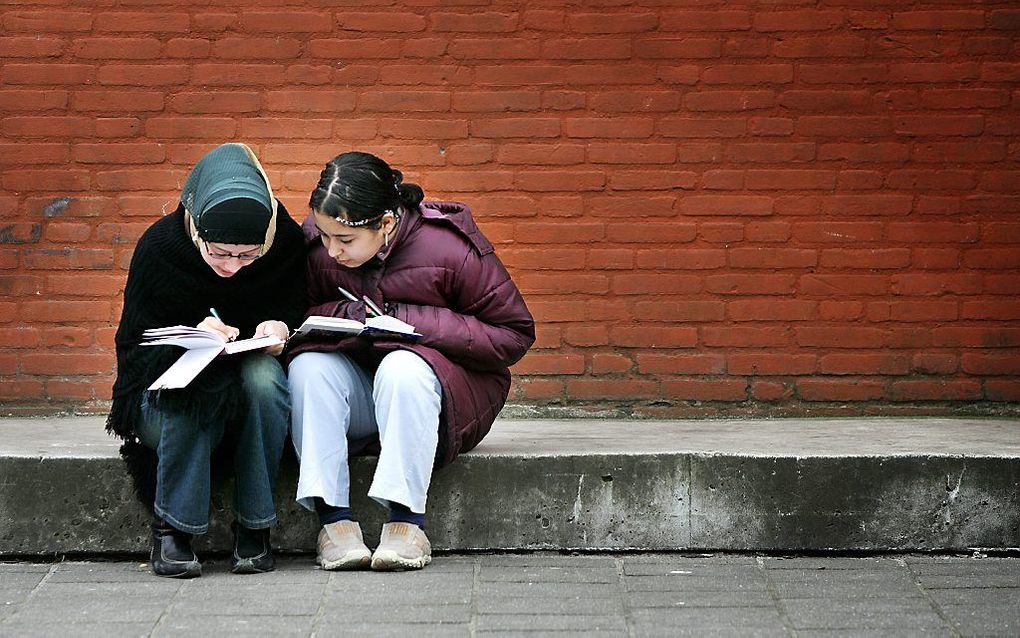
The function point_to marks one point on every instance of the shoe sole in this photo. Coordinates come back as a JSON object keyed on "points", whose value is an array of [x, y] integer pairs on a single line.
{"points": [[190, 571], [394, 562], [349, 561]]}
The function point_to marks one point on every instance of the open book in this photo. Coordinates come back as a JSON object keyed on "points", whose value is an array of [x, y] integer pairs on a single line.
{"points": [[382, 326], [202, 347]]}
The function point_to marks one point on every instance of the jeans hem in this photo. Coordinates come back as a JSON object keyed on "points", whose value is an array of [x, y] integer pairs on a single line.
{"points": [[262, 523], [176, 523]]}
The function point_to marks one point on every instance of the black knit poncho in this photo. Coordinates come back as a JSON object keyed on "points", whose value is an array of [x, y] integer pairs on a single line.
{"points": [[170, 284]]}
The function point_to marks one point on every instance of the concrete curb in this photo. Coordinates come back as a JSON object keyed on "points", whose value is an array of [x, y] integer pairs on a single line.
{"points": [[942, 484]]}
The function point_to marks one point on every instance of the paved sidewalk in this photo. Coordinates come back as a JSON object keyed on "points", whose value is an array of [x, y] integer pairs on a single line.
{"points": [[540, 593]]}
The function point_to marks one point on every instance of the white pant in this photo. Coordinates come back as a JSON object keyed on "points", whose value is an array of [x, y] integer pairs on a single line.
{"points": [[337, 410]]}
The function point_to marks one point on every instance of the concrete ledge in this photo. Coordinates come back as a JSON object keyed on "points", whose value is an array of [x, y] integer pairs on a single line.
{"points": [[787, 484]]}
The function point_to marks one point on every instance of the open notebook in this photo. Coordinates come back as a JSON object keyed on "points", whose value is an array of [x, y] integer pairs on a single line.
{"points": [[202, 346]]}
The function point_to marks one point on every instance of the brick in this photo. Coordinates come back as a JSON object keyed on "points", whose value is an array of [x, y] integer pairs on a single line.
{"points": [[15, 100], [290, 21], [650, 233], [948, 20], [839, 390], [531, 154], [545, 258], [188, 48], [931, 180], [843, 126], [830, 46], [631, 153], [138, 179], [745, 337], [386, 22], [933, 72], [864, 205], [934, 363], [20, 338], [114, 101], [828, 285], [41, 153], [867, 364], [36, 22], [801, 20], [604, 22], [756, 284], [539, 363], [49, 74], [1005, 19], [655, 283], [603, 389], [944, 390], [678, 49], [687, 259], [562, 283], [864, 153], [848, 74], [683, 74], [20, 389], [871, 259], [405, 101], [933, 232], [65, 311], [67, 337], [66, 364], [969, 98], [634, 101], [976, 337], [772, 310], [770, 126], [652, 336], [117, 48], [567, 181], [30, 180], [748, 74], [680, 311], [144, 74], [687, 364], [1002, 390], [608, 127], [260, 48], [999, 309], [586, 336], [729, 100], [790, 179], [237, 74], [123, 127], [129, 153], [720, 232], [769, 364], [705, 389], [606, 363], [487, 22], [725, 205], [841, 337], [702, 127], [940, 126], [716, 20], [540, 389]]}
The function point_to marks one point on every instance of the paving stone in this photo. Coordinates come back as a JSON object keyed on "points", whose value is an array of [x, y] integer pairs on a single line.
{"points": [[552, 634], [551, 574], [657, 631], [549, 590], [75, 629], [396, 630], [577, 605], [15, 568], [184, 624], [1009, 597], [694, 568], [753, 581], [699, 599], [708, 617], [967, 581], [77, 572], [901, 632], [550, 622], [845, 590], [832, 563], [984, 621], [422, 613]]}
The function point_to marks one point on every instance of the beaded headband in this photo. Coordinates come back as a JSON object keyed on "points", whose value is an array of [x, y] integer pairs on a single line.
{"points": [[364, 222]]}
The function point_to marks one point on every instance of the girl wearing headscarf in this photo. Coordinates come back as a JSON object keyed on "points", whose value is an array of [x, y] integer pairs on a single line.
{"points": [[229, 247], [418, 404]]}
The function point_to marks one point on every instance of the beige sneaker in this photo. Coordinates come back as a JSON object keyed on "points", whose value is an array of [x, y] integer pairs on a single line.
{"points": [[341, 546], [401, 546]]}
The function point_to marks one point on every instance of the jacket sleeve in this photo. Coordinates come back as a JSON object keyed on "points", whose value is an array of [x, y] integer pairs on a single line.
{"points": [[322, 297], [487, 327]]}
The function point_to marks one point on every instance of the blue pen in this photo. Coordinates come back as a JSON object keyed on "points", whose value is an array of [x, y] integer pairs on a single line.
{"points": [[212, 311]]}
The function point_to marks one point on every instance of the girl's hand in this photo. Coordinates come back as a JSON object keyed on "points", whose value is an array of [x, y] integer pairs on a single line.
{"points": [[277, 328], [212, 324]]}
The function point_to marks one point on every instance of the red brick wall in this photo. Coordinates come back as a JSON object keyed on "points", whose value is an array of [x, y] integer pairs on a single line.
{"points": [[712, 207]]}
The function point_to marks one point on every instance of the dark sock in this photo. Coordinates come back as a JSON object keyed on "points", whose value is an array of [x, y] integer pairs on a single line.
{"points": [[251, 542], [330, 514], [402, 514]]}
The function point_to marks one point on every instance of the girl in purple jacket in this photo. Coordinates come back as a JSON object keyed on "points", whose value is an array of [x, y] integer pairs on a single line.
{"points": [[420, 403]]}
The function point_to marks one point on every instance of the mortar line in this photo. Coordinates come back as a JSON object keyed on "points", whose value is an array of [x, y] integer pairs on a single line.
{"points": [[476, 579], [774, 595], [953, 628], [31, 594], [624, 602], [171, 601], [319, 612]]}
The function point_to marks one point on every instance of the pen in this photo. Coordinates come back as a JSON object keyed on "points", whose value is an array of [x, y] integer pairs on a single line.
{"points": [[371, 307], [215, 314], [370, 304]]}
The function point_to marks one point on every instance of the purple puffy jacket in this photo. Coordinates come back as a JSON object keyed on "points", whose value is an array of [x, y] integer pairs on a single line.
{"points": [[440, 275]]}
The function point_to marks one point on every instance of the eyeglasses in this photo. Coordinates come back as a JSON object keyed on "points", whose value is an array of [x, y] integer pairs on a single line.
{"points": [[218, 254]]}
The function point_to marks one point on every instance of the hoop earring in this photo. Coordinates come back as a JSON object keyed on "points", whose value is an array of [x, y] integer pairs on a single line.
{"points": [[386, 240]]}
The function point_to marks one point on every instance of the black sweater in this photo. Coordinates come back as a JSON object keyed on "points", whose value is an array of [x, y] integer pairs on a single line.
{"points": [[170, 284]]}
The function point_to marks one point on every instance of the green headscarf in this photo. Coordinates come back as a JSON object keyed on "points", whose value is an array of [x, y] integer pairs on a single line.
{"points": [[229, 199]]}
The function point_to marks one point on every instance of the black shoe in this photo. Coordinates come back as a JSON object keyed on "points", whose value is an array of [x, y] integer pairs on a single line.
{"points": [[172, 555], [252, 552]]}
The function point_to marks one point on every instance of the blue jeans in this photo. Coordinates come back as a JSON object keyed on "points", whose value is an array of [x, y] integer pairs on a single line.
{"points": [[184, 448]]}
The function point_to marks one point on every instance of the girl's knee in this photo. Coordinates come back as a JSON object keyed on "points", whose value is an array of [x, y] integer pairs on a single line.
{"points": [[404, 368], [262, 375]]}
